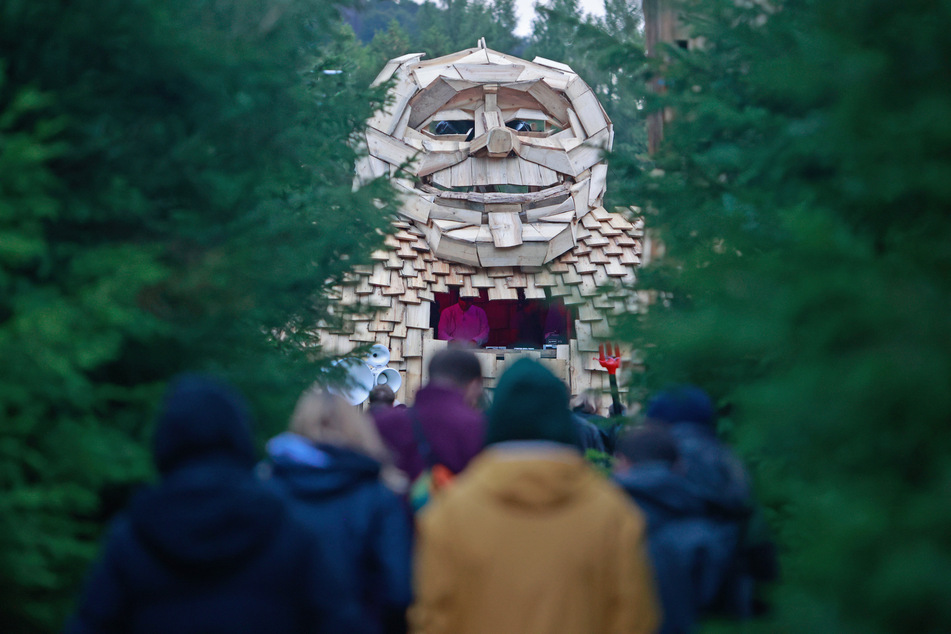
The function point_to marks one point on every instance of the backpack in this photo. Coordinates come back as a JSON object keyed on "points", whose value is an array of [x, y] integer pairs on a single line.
{"points": [[434, 477]]}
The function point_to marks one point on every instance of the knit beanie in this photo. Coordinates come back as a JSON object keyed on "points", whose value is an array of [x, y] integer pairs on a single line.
{"points": [[202, 417], [530, 403], [680, 404]]}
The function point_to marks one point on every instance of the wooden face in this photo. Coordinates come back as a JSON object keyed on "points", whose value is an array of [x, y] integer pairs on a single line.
{"points": [[501, 157]]}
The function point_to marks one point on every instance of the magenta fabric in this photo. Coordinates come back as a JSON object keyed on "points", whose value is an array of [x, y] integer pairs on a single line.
{"points": [[471, 325]]}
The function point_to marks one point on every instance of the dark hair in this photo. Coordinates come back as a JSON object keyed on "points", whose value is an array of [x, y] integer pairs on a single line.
{"points": [[454, 365], [647, 444], [382, 394]]}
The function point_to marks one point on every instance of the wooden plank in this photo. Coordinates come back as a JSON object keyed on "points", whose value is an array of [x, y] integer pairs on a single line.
{"points": [[619, 222], [541, 61], [575, 123], [426, 75], [476, 56], [598, 256], [554, 158], [538, 214], [413, 343], [468, 234], [541, 232], [532, 291], [492, 118], [506, 228], [417, 315], [560, 243], [401, 125], [590, 113], [527, 254], [393, 64], [467, 289], [466, 216], [551, 101], [386, 119], [478, 125], [435, 161], [558, 367], [479, 279], [567, 139], [532, 174], [528, 114], [391, 150], [429, 101], [417, 207], [563, 218], [458, 251], [501, 291], [579, 191], [590, 153], [599, 176], [616, 269], [497, 172], [451, 225], [369, 168]]}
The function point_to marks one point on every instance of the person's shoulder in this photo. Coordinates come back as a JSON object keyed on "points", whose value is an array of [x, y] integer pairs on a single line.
{"points": [[389, 417]]}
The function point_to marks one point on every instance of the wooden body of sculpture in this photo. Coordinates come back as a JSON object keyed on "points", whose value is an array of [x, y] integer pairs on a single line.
{"points": [[500, 162]]}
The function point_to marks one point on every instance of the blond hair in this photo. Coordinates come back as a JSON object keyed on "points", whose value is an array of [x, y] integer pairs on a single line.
{"points": [[326, 418]]}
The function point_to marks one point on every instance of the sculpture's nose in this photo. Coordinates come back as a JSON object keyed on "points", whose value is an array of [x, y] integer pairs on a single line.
{"points": [[497, 142]]}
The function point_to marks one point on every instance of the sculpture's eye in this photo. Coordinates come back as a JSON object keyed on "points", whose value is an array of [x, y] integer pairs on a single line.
{"points": [[454, 127], [519, 126]]}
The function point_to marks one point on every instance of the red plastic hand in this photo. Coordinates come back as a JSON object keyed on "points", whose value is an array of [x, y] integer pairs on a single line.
{"points": [[608, 362]]}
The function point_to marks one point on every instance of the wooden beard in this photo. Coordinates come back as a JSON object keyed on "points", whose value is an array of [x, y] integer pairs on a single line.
{"points": [[498, 158]]}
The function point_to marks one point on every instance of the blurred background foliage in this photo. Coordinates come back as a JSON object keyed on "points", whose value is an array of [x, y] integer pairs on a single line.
{"points": [[175, 187], [176, 184], [803, 192]]}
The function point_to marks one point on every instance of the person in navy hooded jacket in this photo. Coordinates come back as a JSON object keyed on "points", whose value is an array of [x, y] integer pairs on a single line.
{"points": [[719, 477], [691, 548], [339, 479], [209, 548]]}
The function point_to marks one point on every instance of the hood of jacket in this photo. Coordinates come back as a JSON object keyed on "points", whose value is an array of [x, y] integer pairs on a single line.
{"points": [[207, 518], [714, 470], [661, 493], [531, 476], [202, 417], [310, 470], [530, 403]]}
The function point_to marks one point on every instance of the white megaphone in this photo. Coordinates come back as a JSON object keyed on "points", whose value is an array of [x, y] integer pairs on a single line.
{"points": [[390, 377], [378, 356], [355, 386]]}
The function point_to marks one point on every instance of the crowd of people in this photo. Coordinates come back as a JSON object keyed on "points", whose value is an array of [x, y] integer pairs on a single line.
{"points": [[522, 533]]}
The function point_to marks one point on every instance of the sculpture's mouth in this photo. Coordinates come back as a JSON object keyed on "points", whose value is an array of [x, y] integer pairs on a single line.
{"points": [[482, 194], [490, 189]]}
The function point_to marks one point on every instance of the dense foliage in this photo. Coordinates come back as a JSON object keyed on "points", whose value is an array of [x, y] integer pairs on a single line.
{"points": [[803, 191], [175, 185]]}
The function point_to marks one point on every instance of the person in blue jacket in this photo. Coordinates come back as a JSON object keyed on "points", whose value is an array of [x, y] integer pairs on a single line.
{"points": [[209, 548], [338, 477], [691, 547]]}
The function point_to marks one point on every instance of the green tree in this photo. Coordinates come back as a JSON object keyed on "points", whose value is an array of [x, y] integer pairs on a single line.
{"points": [[176, 190], [458, 24], [802, 192], [389, 44], [554, 31]]}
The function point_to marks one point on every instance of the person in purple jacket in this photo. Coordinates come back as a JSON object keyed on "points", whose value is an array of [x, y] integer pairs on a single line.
{"points": [[445, 409]]}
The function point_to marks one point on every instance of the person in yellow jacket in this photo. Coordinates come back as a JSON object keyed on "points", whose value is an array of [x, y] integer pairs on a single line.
{"points": [[529, 539]]}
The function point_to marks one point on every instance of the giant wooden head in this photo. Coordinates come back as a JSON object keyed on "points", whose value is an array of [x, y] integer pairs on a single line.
{"points": [[503, 156]]}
